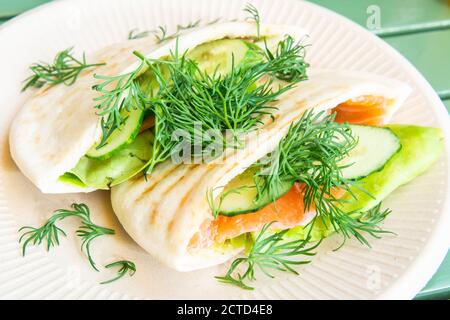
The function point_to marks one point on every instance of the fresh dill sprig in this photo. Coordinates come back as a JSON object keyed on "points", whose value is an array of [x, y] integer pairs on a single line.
{"points": [[216, 20], [190, 25], [136, 34], [161, 34], [311, 154], [187, 96], [290, 56], [254, 15], [236, 101], [292, 66], [64, 69], [126, 267], [356, 223], [49, 233], [125, 94], [269, 252], [88, 232], [215, 209]]}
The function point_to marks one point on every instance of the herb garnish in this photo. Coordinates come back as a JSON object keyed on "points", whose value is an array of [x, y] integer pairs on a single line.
{"points": [[254, 15], [310, 153], [125, 267], [292, 61], [186, 95], [162, 36], [236, 102], [356, 222], [269, 252], [161, 32], [135, 34], [50, 232], [65, 69], [125, 95], [276, 253]]}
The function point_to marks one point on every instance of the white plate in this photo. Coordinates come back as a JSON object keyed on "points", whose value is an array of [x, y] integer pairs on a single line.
{"points": [[396, 267]]}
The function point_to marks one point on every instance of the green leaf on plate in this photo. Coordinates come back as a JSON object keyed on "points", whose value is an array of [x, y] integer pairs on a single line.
{"points": [[103, 174]]}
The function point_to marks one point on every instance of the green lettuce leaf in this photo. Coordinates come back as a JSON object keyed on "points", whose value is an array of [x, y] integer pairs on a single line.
{"points": [[103, 174], [421, 147]]}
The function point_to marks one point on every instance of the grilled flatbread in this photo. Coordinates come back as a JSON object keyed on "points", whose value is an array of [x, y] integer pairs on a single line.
{"points": [[164, 213], [59, 124]]}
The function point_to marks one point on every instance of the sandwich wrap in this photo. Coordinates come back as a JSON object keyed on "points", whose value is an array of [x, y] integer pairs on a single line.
{"points": [[59, 124], [166, 210]]}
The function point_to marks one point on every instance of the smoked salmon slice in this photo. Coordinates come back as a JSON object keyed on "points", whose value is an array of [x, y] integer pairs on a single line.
{"points": [[288, 212], [368, 110]]}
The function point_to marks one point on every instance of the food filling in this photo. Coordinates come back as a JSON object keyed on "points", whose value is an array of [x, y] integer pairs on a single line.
{"points": [[288, 211]]}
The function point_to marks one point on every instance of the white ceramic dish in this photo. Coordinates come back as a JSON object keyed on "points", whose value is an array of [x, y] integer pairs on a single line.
{"points": [[396, 266]]}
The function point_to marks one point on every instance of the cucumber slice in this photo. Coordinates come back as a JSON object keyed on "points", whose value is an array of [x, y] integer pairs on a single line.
{"points": [[120, 138], [126, 163], [217, 56], [239, 195], [375, 147], [421, 147]]}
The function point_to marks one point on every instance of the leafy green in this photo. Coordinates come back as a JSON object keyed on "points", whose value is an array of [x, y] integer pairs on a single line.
{"points": [[127, 162], [421, 147], [315, 231]]}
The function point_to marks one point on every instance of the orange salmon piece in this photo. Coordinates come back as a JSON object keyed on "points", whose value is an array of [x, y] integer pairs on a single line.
{"points": [[368, 110], [288, 211]]}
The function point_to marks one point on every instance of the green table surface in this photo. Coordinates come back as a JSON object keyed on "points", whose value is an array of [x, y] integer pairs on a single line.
{"points": [[419, 29], [397, 16], [430, 53]]}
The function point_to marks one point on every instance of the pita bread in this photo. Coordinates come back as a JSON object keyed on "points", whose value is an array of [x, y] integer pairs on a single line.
{"points": [[164, 212]]}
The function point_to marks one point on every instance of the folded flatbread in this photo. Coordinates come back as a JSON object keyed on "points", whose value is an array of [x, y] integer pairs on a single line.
{"points": [[59, 124], [164, 212]]}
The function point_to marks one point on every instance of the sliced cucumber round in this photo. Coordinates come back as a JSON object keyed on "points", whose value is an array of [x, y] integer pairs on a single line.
{"points": [[240, 195], [120, 138], [376, 145], [220, 55]]}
